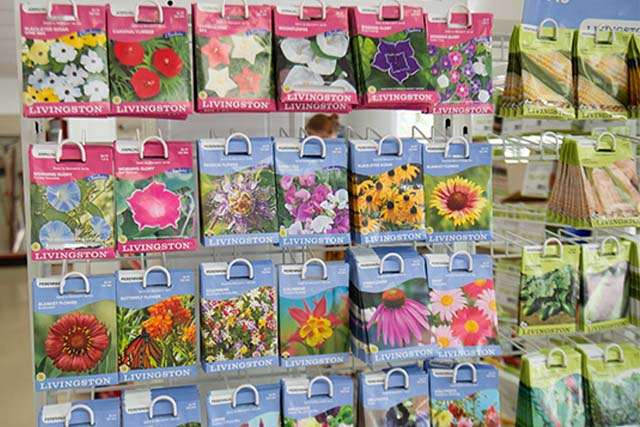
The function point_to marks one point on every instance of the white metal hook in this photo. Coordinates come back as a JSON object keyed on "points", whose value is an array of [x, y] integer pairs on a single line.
{"points": [[603, 246], [83, 152], [240, 261], [80, 407], [614, 141], [457, 140], [554, 24], [456, 370], [465, 254], [550, 241], [165, 147], [387, 257], [320, 378], [156, 268], [388, 138], [246, 11], [381, 10], [467, 13], [171, 400], [618, 349], [63, 281], [400, 371], [562, 354], [238, 135], [323, 145], [52, 17], [256, 395], [318, 261], [322, 5], [612, 34], [160, 19]]}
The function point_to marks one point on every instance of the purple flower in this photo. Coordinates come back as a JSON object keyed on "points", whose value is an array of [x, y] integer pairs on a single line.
{"points": [[303, 195], [445, 62], [433, 50], [467, 70], [397, 59], [476, 85], [435, 70], [304, 212], [454, 76], [490, 87], [286, 182], [341, 223], [290, 196], [308, 180], [447, 95], [462, 90], [469, 49], [456, 59]]}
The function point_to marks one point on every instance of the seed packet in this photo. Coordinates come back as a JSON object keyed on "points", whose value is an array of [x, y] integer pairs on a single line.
{"points": [[64, 60], [97, 413], [167, 407], [149, 61], [461, 47], [512, 94], [318, 401], [395, 397], [72, 201], [604, 297], [314, 313], [612, 384], [311, 184], [551, 391], [633, 279], [74, 331], [458, 191], [238, 315], [463, 305], [387, 196], [247, 405], [549, 289], [465, 394], [394, 65], [155, 203], [389, 305], [233, 58], [634, 76], [156, 324], [314, 66], [237, 191]]}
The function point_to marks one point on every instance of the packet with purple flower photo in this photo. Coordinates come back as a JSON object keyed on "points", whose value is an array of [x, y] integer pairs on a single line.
{"points": [[246, 405], [323, 400], [163, 407], [97, 413]]}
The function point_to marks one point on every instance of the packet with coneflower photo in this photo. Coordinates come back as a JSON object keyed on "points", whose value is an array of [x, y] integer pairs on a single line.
{"points": [[97, 413], [149, 61], [74, 331], [318, 401], [156, 324], [244, 406], [162, 407]]}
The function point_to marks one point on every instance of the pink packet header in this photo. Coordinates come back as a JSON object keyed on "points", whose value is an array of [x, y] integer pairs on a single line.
{"points": [[35, 25], [122, 25], [208, 21], [440, 34], [367, 22], [45, 170], [287, 21], [130, 166]]}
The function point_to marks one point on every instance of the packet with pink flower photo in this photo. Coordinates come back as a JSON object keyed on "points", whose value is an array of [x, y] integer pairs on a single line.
{"points": [[314, 313], [318, 401], [463, 305], [155, 196], [74, 331], [311, 184]]}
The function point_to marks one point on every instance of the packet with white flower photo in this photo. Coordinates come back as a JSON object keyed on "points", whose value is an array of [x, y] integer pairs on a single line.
{"points": [[314, 69], [247, 405], [162, 407], [97, 413], [64, 60]]}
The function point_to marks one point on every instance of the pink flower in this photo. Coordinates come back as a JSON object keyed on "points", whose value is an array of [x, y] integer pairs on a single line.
{"points": [[304, 212], [286, 182], [465, 422], [155, 206], [399, 319], [308, 180], [462, 90], [454, 76], [303, 195], [487, 303], [446, 303], [456, 59], [290, 196], [320, 194], [445, 338]]}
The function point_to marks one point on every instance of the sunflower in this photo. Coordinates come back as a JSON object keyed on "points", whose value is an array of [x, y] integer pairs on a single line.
{"points": [[458, 200], [369, 225], [407, 173]]}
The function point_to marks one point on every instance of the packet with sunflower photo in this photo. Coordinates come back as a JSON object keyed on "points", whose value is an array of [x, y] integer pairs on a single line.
{"points": [[314, 313], [97, 413], [149, 61], [155, 196], [386, 191], [64, 60], [72, 201], [74, 332], [247, 405], [162, 407], [318, 401], [156, 324], [458, 191], [238, 315]]}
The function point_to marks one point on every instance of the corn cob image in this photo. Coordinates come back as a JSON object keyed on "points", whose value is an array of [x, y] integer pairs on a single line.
{"points": [[537, 93], [592, 97], [613, 67], [556, 65]]}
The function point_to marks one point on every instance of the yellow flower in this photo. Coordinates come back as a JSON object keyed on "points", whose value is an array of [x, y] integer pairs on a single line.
{"points": [[47, 95], [262, 323], [93, 40], [73, 40], [316, 331], [443, 419], [369, 225], [407, 173], [30, 96], [392, 210], [389, 178], [459, 200], [39, 52], [244, 349], [411, 206]]}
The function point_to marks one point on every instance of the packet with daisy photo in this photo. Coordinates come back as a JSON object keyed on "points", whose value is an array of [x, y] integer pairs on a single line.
{"points": [[64, 60]]}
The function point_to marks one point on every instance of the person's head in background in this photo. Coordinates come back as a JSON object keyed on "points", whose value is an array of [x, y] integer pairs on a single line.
{"points": [[323, 125]]}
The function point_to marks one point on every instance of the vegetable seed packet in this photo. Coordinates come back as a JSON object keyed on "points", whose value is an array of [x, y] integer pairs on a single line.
{"points": [[98, 413], [634, 76], [167, 407], [634, 283], [246, 405], [322, 399]]}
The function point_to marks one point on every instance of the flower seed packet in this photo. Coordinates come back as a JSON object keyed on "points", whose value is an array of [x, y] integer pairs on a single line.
{"points": [[311, 185], [314, 68], [97, 413], [156, 324], [233, 58], [74, 332], [246, 405], [318, 401], [149, 61], [314, 313], [461, 47], [64, 60], [389, 305], [463, 305], [237, 191], [165, 407], [72, 201], [155, 196], [458, 192], [238, 315], [387, 193], [633, 60]]}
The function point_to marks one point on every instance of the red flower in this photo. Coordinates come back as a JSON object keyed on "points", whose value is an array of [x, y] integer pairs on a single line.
{"points": [[167, 62], [471, 327], [474, 289], [218, 53], [248, 82], [492, 418], [145, 83], [314, 327], [76, 342], [456, 412], [129, 54]]}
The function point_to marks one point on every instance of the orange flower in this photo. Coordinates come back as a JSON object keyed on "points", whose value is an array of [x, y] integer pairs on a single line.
{"points": [[165, 316], [189, 334], [158, 326]]}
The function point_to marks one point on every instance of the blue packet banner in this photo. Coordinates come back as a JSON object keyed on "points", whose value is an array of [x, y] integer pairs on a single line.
{"points": [[97, 413], [168, 407], [571, 13], [306, 401], [247, 405]]}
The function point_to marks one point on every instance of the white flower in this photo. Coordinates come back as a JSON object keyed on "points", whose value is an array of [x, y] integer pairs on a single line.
{"points": [[297, 50], [480, 68], [245, 47], [321, 224], [295, 229], [342, 83], [62, 52], [66, 91], [322, 66], [92, 62], [340, 198], [51, 80], [334, 43], [74, 75], [484, 96], [443, 81], [96, 90], [37, 79], [220, 82], [301, 76]]}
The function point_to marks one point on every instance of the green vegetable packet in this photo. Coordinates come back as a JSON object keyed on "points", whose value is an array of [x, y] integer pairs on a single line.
{"points": [[633, 59], [633, 280]]}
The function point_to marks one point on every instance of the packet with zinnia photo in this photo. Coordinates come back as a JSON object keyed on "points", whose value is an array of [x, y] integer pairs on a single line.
{"points": [[311, 184], [238, 315], [74, 331], [386, 190], [97, 413], [237, 191], [156, 323], [149, 61], [163, 407], [463, 305], [64, 60], [389, 305], [314, 313], [155, 196], [246, 405], [321, 400]]}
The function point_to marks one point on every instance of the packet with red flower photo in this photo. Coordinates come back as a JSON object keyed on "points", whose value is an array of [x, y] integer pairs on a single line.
{"points": [[149, 61], [155, 196], [233, 58], [463, 305], [238, 315], [64, 60], [74, 331], [314, 313], [97, 413], [156, 324], [162, 407], [246, 405]]}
